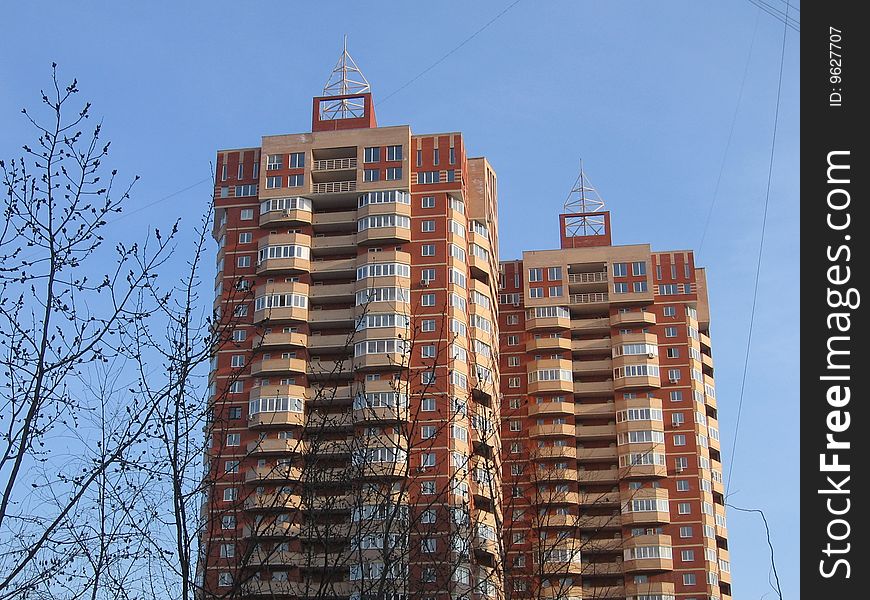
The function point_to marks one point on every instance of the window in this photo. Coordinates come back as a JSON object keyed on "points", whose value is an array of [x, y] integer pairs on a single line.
{"points": [[274, 181], [274, 161], [452, 158], [427, 488], [231, 466], [394, 152], [225, 579], [235, 412], [428, 250], [513, 319], [684, 508], [554, 273], [513, 340], [536, 292], [295, 180], [679, 439], [620, 269], [428, 516], [245, 238], [228, 550], [428, 202], [427, 459], [297, 160], [428, 351], [246, 190], [669, 311], [639, 286], [428, 177], [669, 289], [428, 404], [689, 579], [238, 360], [516, 425], [428, 432], [372, 154], [513, 382], [234, 439], [674, 375], [237, 387], [393, 173], [673, 353], [670, 332], [513, 361], [682, 485], [243, 261], [231, 494], [224, 172], [620, 288], [428, 300], [638, 268], [536, 275], [427, 226], [371, 174], [427, 325], [676, 395], [247, 214], [687, 555], [555, 291]]}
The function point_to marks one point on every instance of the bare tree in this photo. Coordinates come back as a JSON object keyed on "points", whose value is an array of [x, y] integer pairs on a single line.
{"points": [[66, 325]]}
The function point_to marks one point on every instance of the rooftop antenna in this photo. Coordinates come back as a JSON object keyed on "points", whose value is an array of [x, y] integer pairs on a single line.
{"points": [[345, 79], [585, 205]]}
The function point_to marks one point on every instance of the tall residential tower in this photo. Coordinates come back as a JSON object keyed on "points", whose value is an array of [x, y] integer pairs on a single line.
{"points": [[611, 464], [354, 440]]}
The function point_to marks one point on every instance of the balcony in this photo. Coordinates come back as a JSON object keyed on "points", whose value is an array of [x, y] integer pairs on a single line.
{"points": [[552, 497], [323, 245], [282, 530], [381, 414], [591, 325], [587, 278], [330, 343], [594, 346], [289, 216], [279, 339], [633, 318], [600, 523], [277, 446], [548, 344], [663, 588], [608, 454], [589, 303], [326, 422], [331, 317], [327, 373], [535, 323], [604, 592], [555, 475], [610, 569], [598, 409], [598, 476], [322, 293], [337, 268], [273, 266], [342, 220], [642, 517], [593, 367], [569, 452], [596, 432], [551, 431], [277, 366], [593, 388], [329, 395], [276, 501], [551, 408], [334, 164], [333, 187], [602, 545], [597, 499], [276, 419], [642, 565], [274, 473]]}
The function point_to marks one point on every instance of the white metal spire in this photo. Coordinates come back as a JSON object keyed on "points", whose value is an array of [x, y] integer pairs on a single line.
{"points": [[346, 78], [582, 200]]}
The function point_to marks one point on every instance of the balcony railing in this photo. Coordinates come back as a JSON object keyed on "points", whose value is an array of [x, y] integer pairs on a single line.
{"points": [[597, 277], [334, 164], [333, 187], [588, 298]]}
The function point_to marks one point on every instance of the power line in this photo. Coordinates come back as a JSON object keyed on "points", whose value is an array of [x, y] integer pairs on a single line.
{"points": [[163, 199], [730, 134], [451, 52], [777, 588], [779, 14], [758, 261]]}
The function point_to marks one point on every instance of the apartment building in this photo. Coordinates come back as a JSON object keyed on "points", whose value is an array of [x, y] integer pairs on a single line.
{"points": [[612, 467], [354, 442]]}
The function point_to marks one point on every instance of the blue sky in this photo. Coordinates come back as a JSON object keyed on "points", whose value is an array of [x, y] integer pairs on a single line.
{"points": [[644, 92]]}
